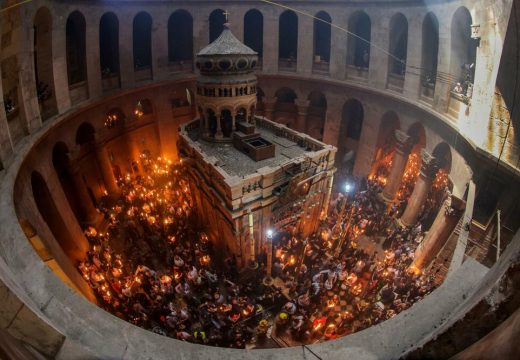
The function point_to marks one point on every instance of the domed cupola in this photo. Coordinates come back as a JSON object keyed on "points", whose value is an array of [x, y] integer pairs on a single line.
{"points": [[226, 87]]}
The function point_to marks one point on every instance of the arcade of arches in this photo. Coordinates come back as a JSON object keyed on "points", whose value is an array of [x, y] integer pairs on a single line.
{"points": [[105, 210]]}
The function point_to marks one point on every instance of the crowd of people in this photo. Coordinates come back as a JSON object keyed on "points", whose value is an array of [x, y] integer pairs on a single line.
{"points": [[338, 287], [154, 268]]}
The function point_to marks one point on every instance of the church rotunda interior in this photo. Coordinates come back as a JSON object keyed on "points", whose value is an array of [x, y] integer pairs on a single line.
{"points": [[259, 179]]}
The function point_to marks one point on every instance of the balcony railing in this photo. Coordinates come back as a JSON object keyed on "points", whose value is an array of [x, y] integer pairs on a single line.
{"points": [[110, 81], [180, 66], [143, 73], [287, 65], [78, 92], [357, 73], [321, 67], [395, 82]]}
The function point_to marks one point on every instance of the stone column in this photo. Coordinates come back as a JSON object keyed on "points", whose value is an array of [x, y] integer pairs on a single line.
{"points": [[271, 37], [404, 145], [91, 216], [444, 81], [219, 134], [6, 143], [27, 96], [126, 56], [338, 53], [439, 233], [95, 88], [160, 46], [412, 80], [59, 64], [420, 191], [301, 119], [378, 71], [107, 173], [305, 44]]}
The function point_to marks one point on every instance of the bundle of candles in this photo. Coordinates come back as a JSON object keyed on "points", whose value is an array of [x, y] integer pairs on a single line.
{"points": [[381, 168], [410, 174]]}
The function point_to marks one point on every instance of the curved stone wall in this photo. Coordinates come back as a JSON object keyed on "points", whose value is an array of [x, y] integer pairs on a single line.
{"points": [[44, 312]]}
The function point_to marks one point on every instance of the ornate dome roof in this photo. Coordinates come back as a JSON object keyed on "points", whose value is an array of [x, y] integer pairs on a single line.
{"points": [[226, 44]]}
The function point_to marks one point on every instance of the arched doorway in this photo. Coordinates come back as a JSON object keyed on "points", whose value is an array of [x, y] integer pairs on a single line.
{"points": [[43, 63], [322, 37], [254, 32], [226, 122], [142, 41], [288, 41], [216, 24], [211, 118], [85, 134], [109, 50]]}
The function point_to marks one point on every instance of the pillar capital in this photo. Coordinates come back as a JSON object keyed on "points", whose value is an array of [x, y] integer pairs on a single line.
{"points": [[302, 105], [404, 142], [429, 166]]}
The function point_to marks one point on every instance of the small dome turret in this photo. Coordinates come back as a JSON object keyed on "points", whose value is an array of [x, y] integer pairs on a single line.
{"points": [[226, 87]]}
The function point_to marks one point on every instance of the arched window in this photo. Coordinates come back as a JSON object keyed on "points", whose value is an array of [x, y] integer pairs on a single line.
{"points": [[142, 41], [109, 44], [85, 134], [76, 48], [216, 24], [358, 53], [463, 50], [180, 36], [322, 33], [430, 51], [398, 44], [288, 40], [43, 63], [254, 31]]}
